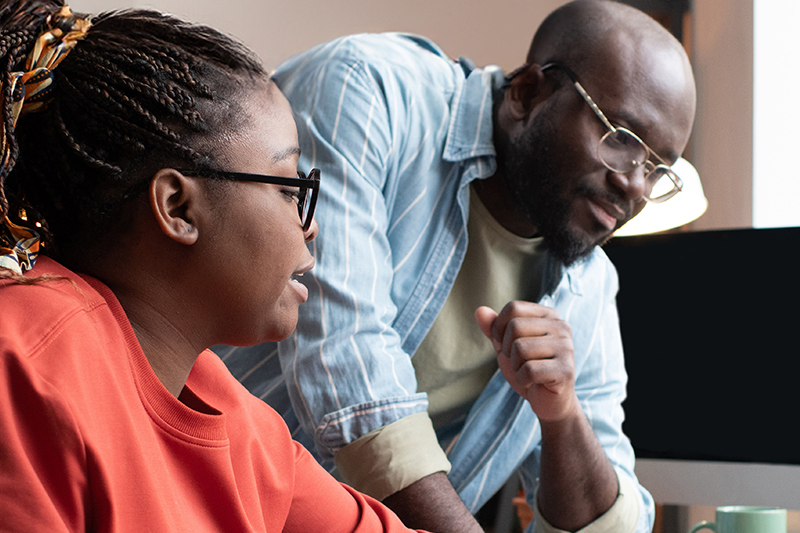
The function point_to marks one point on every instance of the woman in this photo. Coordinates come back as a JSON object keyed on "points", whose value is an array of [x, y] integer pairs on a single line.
{"points": [[155, 164]]}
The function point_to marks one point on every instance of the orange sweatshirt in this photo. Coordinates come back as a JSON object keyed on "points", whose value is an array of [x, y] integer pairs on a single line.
{"points": [[91, 441]]}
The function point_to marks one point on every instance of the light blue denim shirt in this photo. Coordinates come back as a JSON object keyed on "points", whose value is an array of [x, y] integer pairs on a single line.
{"points": [[399, 132]]}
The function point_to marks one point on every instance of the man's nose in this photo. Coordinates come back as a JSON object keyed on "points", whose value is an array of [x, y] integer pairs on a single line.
{"points": [[632, 184]]}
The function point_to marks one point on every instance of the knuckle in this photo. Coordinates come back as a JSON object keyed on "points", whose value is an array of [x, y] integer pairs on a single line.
{"points": [[527, 373], [565, 328], [518, 348], [551, 313], [514, 306], [514, 327]]}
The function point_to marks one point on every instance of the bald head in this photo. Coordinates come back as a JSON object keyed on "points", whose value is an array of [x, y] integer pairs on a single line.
{"points": [[603, 39], [575, 31]]}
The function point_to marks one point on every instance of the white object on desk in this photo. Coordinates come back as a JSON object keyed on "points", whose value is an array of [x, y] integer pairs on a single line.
{"points": [[713, 483]]}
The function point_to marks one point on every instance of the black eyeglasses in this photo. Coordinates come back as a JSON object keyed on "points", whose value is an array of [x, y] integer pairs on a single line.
{"points": [[623, 151], [306, 200]]}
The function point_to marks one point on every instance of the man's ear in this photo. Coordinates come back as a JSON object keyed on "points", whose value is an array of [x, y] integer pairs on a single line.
{"points": [[175, 201], [525, 91]]}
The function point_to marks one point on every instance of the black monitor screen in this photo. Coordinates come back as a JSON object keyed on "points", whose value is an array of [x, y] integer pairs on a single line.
{"points": [[711, 332]]}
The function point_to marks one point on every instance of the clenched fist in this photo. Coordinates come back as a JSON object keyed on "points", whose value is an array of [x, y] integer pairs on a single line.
{"points": [[536, 356]]}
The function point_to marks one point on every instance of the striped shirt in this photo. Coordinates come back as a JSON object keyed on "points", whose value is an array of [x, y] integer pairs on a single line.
{"points": [[400, 131]]}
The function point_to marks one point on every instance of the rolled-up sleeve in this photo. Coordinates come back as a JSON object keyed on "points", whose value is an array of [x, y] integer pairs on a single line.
{"points": [[391, 458], [622, 517]]}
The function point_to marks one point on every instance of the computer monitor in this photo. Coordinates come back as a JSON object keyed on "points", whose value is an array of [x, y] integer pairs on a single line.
{"points": [[711, 332]]}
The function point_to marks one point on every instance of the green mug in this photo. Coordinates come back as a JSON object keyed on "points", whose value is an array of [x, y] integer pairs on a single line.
{"points": [[746, 519]]}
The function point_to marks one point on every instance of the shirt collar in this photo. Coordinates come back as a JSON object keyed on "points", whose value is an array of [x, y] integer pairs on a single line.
{"points": [[471, 125]]}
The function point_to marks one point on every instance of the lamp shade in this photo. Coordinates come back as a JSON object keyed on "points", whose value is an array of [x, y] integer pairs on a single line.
{"points": [[681, 209]]}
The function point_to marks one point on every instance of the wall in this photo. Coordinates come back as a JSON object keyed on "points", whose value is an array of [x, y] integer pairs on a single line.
{"points": [[722, 139], [276, 29]]}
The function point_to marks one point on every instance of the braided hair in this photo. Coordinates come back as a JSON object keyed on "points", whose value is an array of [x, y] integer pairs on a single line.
{"points": [[142, 91]]}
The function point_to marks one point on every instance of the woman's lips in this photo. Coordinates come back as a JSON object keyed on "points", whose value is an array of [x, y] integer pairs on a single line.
{"points": [[301, 289]]}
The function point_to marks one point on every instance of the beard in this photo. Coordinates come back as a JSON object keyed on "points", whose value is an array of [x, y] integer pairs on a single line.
{"points": [[531, 169]]}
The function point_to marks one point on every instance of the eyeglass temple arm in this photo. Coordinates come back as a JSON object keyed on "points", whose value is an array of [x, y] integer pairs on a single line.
{"points": [[608, 124], [594, 107], [582, 91]]}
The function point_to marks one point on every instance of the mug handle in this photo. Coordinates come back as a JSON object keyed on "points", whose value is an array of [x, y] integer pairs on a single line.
{"points": [[704, 525]]}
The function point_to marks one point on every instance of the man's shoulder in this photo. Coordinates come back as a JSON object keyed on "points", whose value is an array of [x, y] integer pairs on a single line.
{"points": [[387, 53], [376, 43]]}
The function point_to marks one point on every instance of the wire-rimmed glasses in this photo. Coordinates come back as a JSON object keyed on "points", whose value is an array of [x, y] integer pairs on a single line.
{"points": [[623, 151], [306, 200]]}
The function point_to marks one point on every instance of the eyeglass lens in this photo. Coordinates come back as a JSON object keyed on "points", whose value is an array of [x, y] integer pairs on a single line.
{"points": [[662, 184], [303, 200], [621, 151], [305, 205]]}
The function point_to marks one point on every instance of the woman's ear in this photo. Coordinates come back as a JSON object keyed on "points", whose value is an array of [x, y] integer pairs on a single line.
{"points": [[175, 201], [525, 91]]}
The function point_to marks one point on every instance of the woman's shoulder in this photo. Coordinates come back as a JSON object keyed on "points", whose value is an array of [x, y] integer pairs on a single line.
{"points": [[29, 313]]}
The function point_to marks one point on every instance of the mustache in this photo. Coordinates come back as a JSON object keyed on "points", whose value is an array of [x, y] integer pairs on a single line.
{"points": [[605, 197]]}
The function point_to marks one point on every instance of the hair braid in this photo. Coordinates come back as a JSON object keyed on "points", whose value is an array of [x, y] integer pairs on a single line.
{"points": [[141, 92], [13, 48]]}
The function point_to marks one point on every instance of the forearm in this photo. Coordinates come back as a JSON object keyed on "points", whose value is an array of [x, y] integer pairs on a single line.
{"points": [[432, 504], [577, 481]]}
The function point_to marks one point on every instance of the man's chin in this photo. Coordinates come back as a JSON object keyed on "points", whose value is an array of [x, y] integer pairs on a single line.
{"points": [[567, 252], [570, 248]]}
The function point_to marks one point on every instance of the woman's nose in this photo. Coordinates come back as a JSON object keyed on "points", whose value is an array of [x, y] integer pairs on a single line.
{"points": [[312, 231]]}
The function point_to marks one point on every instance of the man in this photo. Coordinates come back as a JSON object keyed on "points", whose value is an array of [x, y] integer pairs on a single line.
{"points": [[451, 188]]}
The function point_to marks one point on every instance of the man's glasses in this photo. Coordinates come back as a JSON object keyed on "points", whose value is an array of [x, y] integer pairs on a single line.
{"points": [[306, 199], [623, 151]]}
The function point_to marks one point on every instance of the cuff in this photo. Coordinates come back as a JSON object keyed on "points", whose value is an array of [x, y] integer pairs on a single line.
{"points": [[391, 458], [622, 517]]}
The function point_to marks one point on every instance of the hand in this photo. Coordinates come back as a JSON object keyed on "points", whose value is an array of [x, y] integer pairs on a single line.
{"points": [[536, 356]]}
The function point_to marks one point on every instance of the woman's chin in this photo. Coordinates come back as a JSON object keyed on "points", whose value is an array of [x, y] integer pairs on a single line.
{"points": [[281, 330], [277, 328]]}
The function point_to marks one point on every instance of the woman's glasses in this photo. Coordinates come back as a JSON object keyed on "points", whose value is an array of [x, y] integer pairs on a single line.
{"points": [[308, 185]]}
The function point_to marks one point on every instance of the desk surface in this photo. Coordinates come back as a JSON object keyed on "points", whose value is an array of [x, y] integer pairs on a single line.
{"points": [[712, 483]]}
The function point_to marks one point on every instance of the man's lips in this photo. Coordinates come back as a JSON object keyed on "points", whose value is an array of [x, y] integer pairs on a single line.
{"points": [[609, 214]]}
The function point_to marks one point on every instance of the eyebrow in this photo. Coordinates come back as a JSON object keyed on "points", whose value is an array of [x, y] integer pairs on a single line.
{"points": [[285, 154], [627, 120]]}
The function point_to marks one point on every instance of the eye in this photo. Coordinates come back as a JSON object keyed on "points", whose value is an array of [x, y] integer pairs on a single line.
{"points": [[292, 193], [621, 139]]}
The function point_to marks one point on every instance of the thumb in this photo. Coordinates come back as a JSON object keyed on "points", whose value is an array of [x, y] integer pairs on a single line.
{"points": [[485, 317]]}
